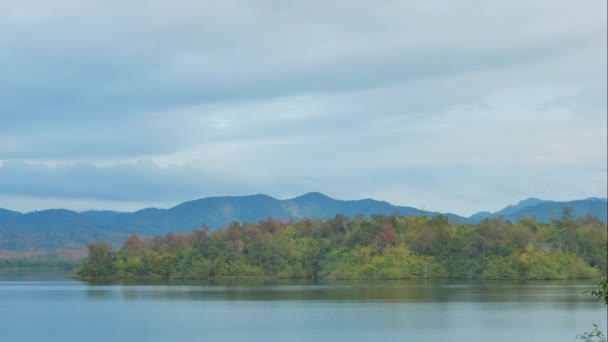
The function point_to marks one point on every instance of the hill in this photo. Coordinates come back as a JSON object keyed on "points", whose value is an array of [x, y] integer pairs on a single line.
{"points": [[217, 212], [544, 211], [60, 228]]}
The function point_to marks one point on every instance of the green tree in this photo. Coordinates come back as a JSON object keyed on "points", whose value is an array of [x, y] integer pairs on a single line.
{"points": [[596, 335], [100, 263]]}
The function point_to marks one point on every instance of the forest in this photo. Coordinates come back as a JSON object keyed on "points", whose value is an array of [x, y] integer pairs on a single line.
{"points": [[25, 263], [378, 247]]}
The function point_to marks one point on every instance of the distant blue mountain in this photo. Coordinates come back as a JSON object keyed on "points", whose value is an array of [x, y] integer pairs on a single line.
{"points": [[99, 214], [508, 211], [217, 212], [8, 213], [58, 228], [544, 211]]}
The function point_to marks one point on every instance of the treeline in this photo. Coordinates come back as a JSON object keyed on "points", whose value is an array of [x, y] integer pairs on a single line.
{"points": [[381, 247], [39, 263]]}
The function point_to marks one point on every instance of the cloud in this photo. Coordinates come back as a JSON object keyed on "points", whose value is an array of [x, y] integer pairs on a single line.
{"points": [[140, 181], [143, 102], [78, 60], [443, 163]]}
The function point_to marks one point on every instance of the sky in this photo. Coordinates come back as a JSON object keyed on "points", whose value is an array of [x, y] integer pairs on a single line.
{"points": [[453, 106]]}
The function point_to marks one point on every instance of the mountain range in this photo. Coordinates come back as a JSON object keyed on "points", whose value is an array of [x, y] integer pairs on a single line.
{"points": [[60, 229]]}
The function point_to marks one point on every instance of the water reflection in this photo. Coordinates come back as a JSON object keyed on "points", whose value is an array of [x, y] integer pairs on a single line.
{"points": [[278, 310], [437, 291]]}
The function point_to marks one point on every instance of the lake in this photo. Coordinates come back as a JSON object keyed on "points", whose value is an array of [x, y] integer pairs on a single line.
{"points": [[43, 306]]}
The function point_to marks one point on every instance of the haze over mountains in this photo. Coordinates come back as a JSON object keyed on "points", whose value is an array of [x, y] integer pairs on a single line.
{"points": [[60, 228]]}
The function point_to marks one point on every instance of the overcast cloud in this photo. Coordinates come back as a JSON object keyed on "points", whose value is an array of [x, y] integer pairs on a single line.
{"points": [[454, 106]]}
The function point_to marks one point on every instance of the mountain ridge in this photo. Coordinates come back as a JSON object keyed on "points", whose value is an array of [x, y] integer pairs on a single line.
{"points": [[59, 227], [536, 208]]}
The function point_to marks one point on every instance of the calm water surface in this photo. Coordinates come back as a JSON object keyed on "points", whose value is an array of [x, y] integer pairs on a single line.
{"points": [[43, 306]]}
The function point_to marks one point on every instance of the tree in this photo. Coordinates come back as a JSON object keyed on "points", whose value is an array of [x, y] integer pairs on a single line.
{"points": [[596, 335], [100, 263], [378, 247], [164, 265], [602, 291], [133, 246], [387, 238]]}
